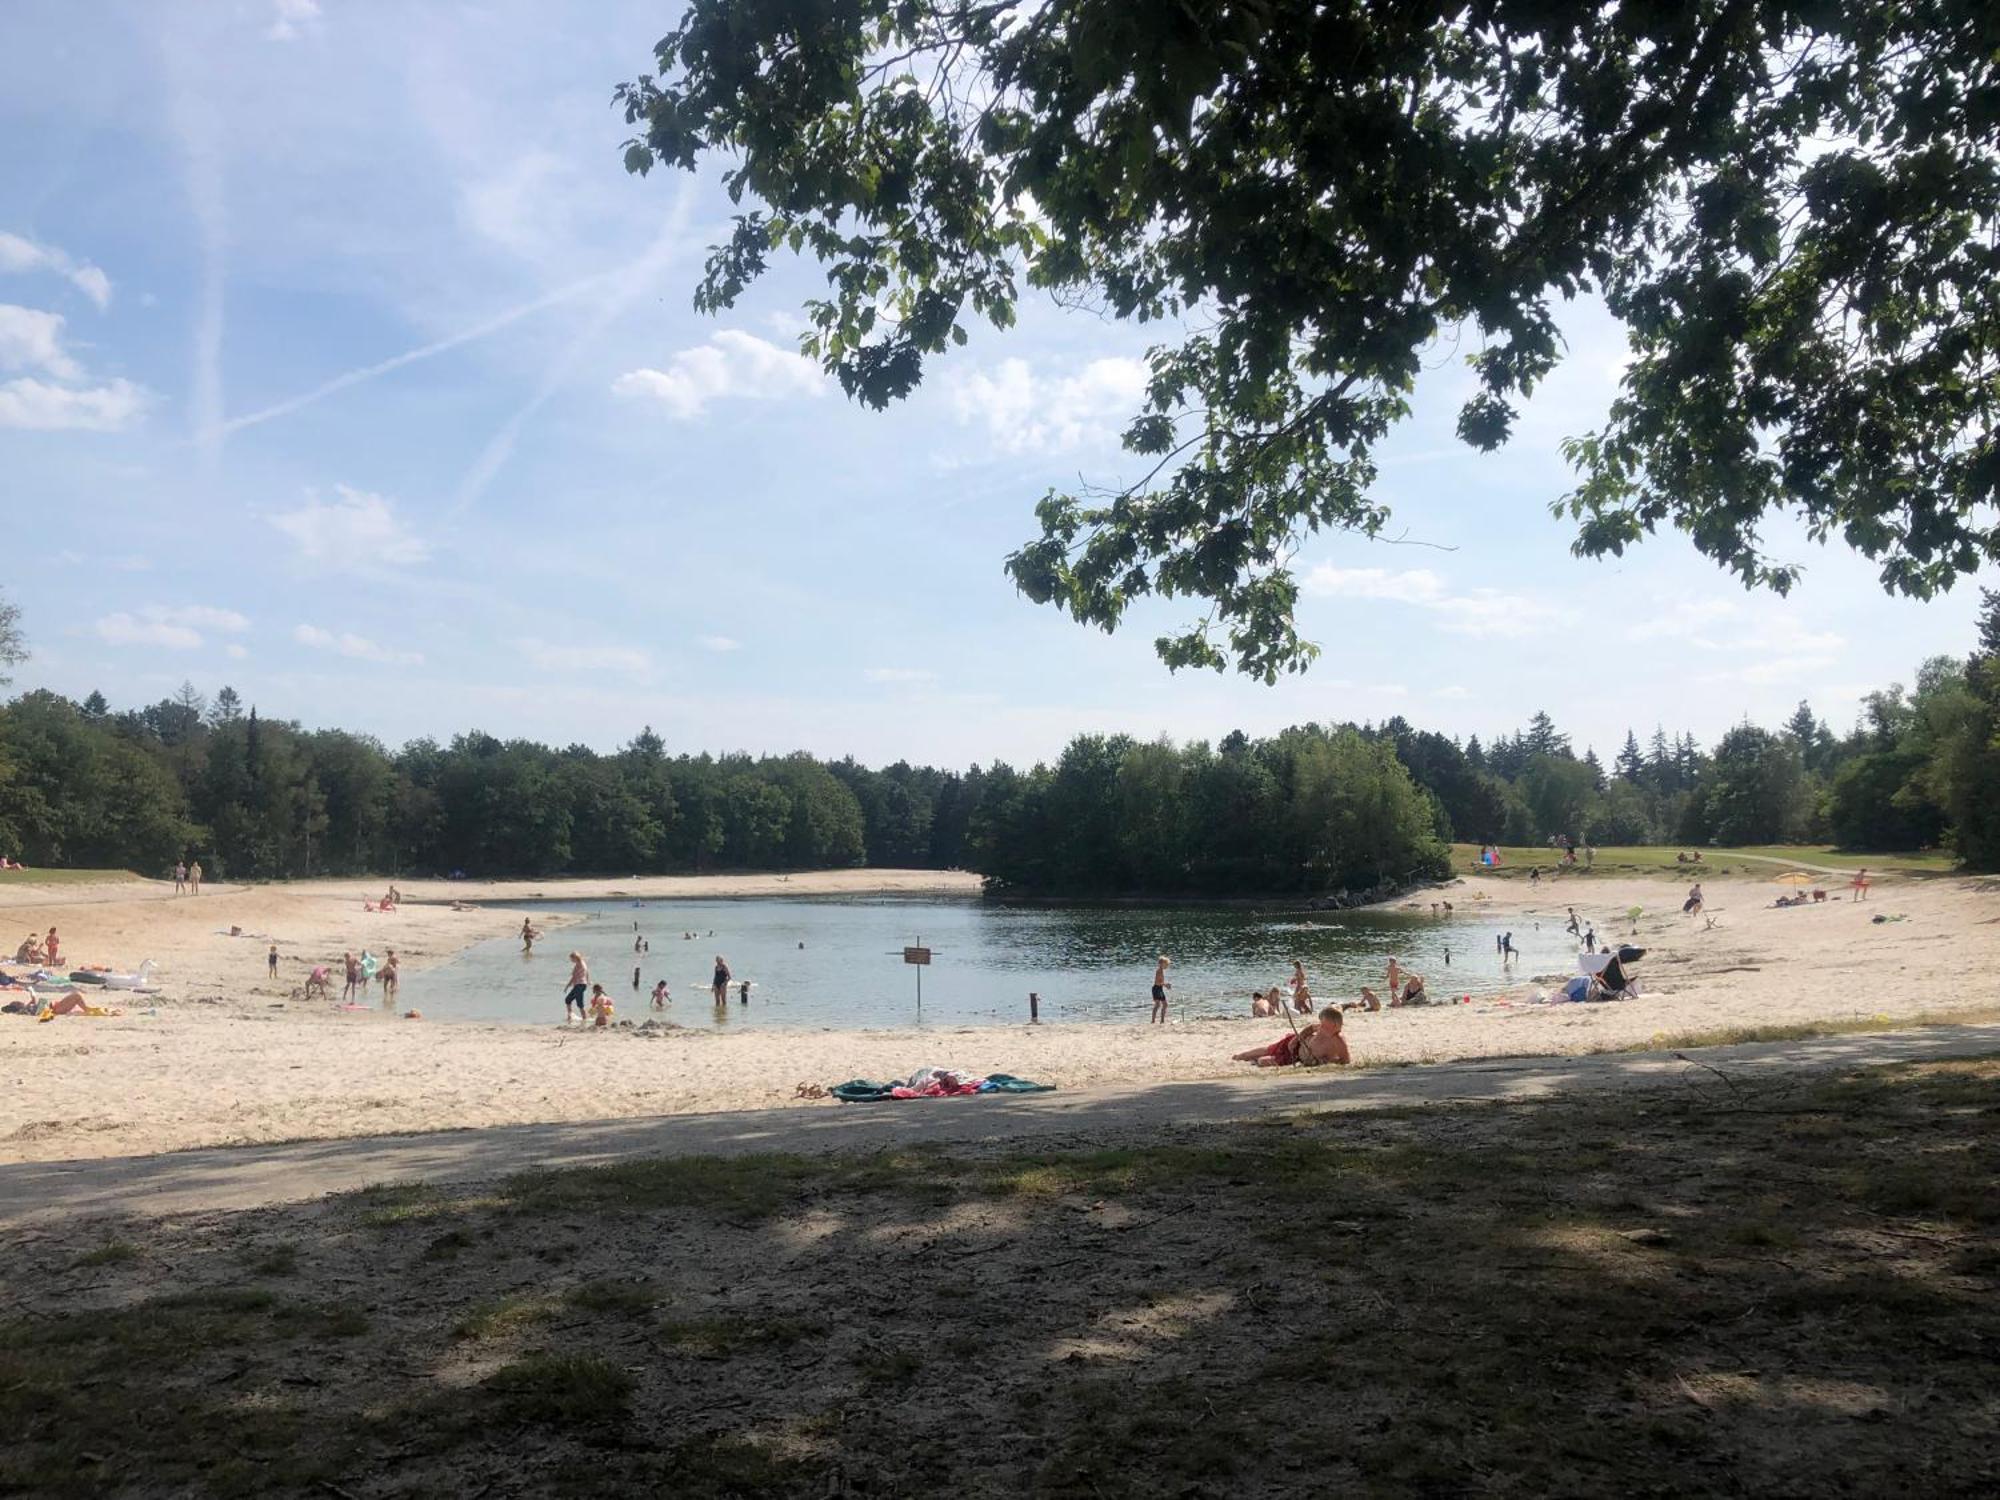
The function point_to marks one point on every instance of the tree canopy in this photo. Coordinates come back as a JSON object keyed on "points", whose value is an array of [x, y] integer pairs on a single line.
{"points": [[1788, 204]]}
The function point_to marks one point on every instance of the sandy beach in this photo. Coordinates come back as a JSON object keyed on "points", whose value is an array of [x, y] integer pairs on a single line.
{"points": [[226, 1056]]}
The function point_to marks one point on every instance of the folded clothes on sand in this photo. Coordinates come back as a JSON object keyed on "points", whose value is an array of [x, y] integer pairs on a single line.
{"points": [[934, 1083]]}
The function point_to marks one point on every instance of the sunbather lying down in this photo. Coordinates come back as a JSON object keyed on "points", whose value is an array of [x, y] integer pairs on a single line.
{"points": [[73, 1004], [1319, 1042]]}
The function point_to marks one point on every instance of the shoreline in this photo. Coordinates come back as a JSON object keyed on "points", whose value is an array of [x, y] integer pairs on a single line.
{"points": [[227, 1057]]}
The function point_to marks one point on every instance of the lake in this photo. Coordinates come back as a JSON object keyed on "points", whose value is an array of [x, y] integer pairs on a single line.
{"points": [[837, 961]]}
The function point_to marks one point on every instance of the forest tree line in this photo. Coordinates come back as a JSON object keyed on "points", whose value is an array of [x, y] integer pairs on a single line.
{"points": [[1313, 809]]}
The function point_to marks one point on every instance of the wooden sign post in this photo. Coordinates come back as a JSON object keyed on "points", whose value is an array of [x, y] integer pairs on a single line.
{"points": [[917, 956]]}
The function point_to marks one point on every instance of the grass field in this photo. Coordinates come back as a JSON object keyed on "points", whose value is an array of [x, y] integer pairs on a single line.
{"points": [[1775, 1286], [1647, 859], [64, 877]]}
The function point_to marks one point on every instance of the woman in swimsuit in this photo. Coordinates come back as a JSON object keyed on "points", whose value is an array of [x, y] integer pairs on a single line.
{"points": [[579, 986], [719, 981]]}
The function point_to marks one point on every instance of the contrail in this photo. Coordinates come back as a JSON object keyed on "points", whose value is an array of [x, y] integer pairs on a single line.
{"points": [[632, 280], [411, 356]]}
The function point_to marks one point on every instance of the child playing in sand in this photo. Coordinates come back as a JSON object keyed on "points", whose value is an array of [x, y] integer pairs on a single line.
{"points": [[1320, 1042], [600, 1006], [319, 982]]}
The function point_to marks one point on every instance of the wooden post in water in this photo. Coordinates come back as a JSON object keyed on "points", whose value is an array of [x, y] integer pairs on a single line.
{"points": [[1034, 1009]]}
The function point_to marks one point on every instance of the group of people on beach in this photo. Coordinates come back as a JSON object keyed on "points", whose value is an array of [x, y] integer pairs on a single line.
{"points": [[34, 950], [187, 878]]}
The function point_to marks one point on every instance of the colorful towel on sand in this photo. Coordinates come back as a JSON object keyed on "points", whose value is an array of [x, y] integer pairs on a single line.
{"points": [[934, 1083]]}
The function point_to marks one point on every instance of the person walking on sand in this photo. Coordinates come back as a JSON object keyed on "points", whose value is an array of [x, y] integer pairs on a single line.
{"points": [[1160, 988], [391, 978], [579, 988], [271, 962], [718, 982], [194, 877], [352, 974], [1692, 906], [180, 877], [1859, 884]]}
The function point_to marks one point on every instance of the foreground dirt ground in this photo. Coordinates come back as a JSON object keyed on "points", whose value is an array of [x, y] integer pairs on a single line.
{"points": [[1781, 1287]]}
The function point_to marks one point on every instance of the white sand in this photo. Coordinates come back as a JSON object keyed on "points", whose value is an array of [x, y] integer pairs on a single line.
{"points": [[229, 1059]]}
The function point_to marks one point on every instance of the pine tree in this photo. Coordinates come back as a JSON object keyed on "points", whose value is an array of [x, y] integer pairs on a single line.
{"points": [[1631, 764], [1660, 762], [1475, 754], [95, 706], [227, 708], [1596, 768], [1543, 738]]}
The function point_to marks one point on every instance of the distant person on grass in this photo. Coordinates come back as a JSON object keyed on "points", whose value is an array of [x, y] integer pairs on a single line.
{"points": [[1160, 987]]}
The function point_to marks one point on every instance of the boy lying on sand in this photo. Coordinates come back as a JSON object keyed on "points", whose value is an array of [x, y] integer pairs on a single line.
{"points": [[1319, 1042]]}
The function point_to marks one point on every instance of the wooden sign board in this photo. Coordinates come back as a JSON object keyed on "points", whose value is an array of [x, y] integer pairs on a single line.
{"points": [[916, 955]]}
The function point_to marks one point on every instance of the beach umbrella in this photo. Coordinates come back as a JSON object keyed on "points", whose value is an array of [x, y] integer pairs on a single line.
{"points": [[1793, 877]]}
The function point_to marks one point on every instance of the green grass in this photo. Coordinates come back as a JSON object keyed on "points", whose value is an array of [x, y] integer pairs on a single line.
{"points": [[724, 1337], [1659, 859], [505, 1316], [387, 1204], [562, 1389], [1799, 1031], [628, 1298], [64, 877], [110, 1253]]}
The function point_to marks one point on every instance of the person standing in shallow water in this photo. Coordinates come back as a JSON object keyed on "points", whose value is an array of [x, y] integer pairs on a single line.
{"points": [[579, 989], [1160, 987], [719, 980]]}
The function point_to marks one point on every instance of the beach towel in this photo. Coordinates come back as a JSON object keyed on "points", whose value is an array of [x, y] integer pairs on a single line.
{"points": [[934, 1083]]}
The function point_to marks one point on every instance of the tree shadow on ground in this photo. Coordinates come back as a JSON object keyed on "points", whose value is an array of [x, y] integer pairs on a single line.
{"points": [[1780, 1285]]}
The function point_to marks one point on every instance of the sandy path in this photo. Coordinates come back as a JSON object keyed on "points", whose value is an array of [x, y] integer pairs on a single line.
{"points": [[227, 1061]]}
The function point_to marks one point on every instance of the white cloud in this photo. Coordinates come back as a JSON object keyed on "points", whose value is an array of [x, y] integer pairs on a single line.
{"points": [[122, 629], [236, 652], [358, 647], [1711, 623], [39, 406], [731, 365], [899, 674], [1481, 612], [291, 19], [1030, 413], [129, 562], [718, 643], [18, 254], [573, 658], [32, 340], [356, 531], [1453, 691], [179, 626]]}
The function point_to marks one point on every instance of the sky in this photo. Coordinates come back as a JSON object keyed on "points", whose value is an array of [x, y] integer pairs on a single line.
{"points": [[341, 362]]}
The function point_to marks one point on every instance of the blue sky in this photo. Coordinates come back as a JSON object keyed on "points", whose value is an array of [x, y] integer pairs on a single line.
{"points": [[341, 362]]}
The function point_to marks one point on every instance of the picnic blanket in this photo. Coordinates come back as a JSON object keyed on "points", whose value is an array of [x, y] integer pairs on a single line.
{"points": [[934, 1083]]}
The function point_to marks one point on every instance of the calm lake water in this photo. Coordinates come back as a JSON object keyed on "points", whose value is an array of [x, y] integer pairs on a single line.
{"points": [[1087, 963]]}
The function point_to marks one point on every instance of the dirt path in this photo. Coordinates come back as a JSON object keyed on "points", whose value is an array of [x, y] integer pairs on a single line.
{"points": [[260, 1176]]}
